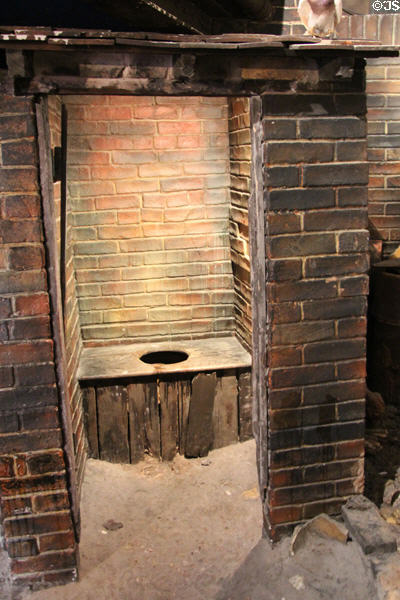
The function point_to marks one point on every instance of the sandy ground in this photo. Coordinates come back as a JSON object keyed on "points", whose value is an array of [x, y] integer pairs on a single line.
{"points": [[187, 525], [192, 531]]}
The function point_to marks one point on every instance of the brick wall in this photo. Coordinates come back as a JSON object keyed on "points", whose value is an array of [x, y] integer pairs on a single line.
{"points": [[148, 185], [35, 508], [317, 240], [73, 340], [240, 166], [383, 99]]}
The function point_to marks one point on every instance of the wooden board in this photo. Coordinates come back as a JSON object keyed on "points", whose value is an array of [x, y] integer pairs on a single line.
{"points": [[184, 392], [168, 391], [136, 408], [113, 423], [199, 434], [245, 406], [90, 416], [225, 413], [152, 420]]}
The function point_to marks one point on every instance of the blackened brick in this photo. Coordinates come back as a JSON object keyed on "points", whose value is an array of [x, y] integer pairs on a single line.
{"points": [[50, 462], [354, 448], [32, 304], [298, 104], [283, 378], [21, 207], [21, 353], [301, 199], [19, 153], [330, 507], [302, 245], [285, 438], [286, 398], [285, 270], [354, 286], [333, 433], [351, 411], [34, 374], [279, 129], [328, 220], [355, 327], [333, 392], [286, 514], [22, 281], [22, 548], [38, 524], [6, 377], [335, 308], [26, 257], [13, 127], [21, 180], [52, 561], [351, 151], [334, 350], [336, 265], [25, 398], [285, 312], [281, 177], [302, 456], [353, 196], [34, 440], [12, 507], [288, 357], [353, 241], [353, 369], [283, 223], [21, 231], [50, 502], [31, 485], [334, 174], [294, 333], [332, 127], [8, 422], [302, 493], [5, 308], [29, 329], [40, 418], [301, 290], [56, 541], [298, 152]]}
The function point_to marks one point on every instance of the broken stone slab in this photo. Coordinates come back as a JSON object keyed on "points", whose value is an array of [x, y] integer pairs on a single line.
{"points": [[367, 527], [322, 525]]}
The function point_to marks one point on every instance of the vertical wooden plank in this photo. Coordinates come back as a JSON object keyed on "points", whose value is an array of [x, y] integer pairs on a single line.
{"points": [[112, 417], [257, 230], [184, 391], [136, 408], [245, 406], [90, 416], [225, 413], [46, 189], [199, 433], [168, 396], [152, 420]]}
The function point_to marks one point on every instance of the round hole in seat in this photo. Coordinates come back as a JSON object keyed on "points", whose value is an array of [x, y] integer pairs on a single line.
{"points": [[164, 357]]}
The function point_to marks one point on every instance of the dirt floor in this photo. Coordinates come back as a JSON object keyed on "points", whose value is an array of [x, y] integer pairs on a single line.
{"points": [[192, 531]]}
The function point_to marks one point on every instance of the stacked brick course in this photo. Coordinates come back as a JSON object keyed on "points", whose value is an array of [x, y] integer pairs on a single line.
{"points": [[149, 186], [35, 509], [317, 239], [240, 151]]}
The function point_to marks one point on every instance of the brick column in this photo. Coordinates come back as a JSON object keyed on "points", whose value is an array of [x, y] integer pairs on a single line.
{"points": [[315, 183], [35, 509]]}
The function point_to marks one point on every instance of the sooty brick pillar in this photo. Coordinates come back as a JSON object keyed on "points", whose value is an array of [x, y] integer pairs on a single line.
{"points": [[315, 178], [36, 524]]}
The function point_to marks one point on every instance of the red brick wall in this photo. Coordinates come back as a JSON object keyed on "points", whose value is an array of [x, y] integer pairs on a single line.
{"points": [[35, 507], [73, 341], [240, 165], [148, 183]]}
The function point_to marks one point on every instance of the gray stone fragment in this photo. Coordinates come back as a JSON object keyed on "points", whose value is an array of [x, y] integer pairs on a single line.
{"points": [[367, 527]]}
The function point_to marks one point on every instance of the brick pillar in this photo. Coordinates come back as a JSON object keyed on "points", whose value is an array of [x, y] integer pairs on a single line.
{"points": [[315, 182], [35, 509]]}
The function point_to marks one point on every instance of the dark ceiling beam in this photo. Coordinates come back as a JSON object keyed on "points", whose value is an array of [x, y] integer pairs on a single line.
{"points": [[185, 14], [256, 9]]}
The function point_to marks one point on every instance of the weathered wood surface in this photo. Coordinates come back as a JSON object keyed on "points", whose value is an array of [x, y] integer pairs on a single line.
{"points": [[225, 413], [199, 433], [90, 416], [168, 393], [136, 408], [52, 264], [245, 406], [152, 420], [113, 423], [165, 415]]}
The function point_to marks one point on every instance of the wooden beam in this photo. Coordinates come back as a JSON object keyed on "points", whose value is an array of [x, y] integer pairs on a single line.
{"points": [[186, 14]]}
